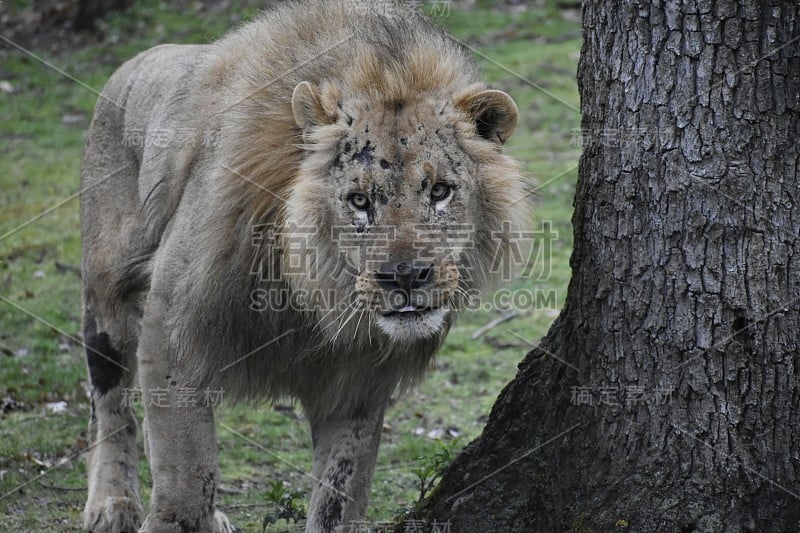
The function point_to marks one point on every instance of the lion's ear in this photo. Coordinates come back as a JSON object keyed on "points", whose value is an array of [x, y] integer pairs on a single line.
{"points": [[494, 112], [311, 107]]}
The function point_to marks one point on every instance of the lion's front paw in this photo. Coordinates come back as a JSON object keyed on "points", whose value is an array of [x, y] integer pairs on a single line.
{"points": [[113, 515], [221, 524], [216, 523]]}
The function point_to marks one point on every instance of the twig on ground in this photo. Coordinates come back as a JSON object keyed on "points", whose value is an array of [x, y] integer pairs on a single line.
{"points": [[64, 489], [63, 267], [229, 490], [245, 505], [510, 315], [500, 344]]}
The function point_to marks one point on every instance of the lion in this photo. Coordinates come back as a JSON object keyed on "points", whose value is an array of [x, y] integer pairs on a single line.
{"points": [[297, 210]]}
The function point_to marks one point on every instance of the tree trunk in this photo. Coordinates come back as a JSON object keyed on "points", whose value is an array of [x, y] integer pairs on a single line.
{"points": [[665, 397]]}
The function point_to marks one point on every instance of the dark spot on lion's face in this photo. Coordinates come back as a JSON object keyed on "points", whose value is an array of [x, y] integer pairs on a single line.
{"points": [[365, 155]]}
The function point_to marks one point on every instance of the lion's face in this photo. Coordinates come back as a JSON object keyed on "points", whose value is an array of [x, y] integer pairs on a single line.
{"points": [[404, 184], [400, 193]]}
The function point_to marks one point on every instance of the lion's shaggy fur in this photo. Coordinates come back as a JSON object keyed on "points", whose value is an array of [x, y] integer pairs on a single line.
{"points": [[168, 225], [241, 87]]}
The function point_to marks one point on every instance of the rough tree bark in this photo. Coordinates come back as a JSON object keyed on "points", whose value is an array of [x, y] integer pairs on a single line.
{"points": [[684, 305]]}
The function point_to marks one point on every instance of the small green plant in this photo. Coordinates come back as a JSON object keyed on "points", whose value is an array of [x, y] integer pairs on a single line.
{"points": [[432, 466], [288, 504]]}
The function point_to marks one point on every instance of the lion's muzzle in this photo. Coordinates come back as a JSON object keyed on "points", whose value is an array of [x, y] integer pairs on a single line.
{"points": [[403, 283]]}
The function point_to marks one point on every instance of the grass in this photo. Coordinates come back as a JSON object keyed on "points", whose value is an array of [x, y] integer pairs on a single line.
{"points": [[42, 127]]}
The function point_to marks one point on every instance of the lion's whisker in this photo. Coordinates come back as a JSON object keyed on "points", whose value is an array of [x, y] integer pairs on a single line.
{"points": [[349, 318], [338, 318], [369, 327], [463, 294], [326, 340], [355, 332], [322, 318]]}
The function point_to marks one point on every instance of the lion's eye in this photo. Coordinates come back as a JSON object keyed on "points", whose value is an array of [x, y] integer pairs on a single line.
{"points": [[359, 201], [440, 192]]}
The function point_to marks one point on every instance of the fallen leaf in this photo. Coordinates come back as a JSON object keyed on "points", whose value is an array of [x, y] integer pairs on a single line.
{"points": [[56, 407], [39, 462], [72, 119], [437, 433]]}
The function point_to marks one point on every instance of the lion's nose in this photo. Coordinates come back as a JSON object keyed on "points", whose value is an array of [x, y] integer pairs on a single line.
{"points": [[404, 275]]}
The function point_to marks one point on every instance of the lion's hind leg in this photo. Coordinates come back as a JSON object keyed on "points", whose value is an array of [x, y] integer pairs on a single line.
{"points": [[113, 504]]}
